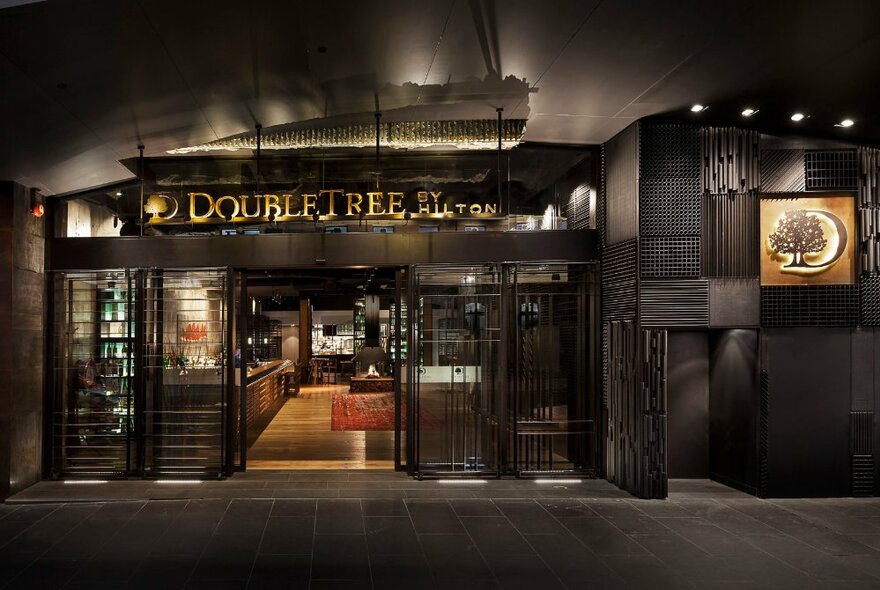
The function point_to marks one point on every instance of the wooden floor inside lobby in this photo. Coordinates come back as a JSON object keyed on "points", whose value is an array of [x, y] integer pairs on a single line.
{"points": [[300, 437]]}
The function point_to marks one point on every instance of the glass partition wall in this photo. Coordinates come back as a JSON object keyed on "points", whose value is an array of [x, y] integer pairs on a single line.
{"points": [[139, 374]]}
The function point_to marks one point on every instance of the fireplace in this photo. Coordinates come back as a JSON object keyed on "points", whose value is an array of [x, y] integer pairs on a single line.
{"points": [[371, 360]]}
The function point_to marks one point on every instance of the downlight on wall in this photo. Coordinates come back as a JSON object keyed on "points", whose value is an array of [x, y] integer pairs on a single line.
{"points": [[698, 108], [749, 112], [798, 117], [846, 123]]}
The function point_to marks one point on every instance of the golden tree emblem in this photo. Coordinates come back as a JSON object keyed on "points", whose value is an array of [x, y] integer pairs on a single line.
{"points": [[798, 233]]}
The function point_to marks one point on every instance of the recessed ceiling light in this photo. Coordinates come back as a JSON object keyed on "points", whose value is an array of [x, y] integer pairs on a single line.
{"points": [[698, 108], [798, 117], [846, 123], [749, 112], [118, 193]]}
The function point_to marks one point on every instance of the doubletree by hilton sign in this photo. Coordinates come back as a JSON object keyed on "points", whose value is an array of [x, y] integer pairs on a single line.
{"points": [[201, 207]]}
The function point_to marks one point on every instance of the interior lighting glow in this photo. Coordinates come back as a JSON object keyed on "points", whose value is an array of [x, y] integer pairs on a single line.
{"points": [[463, 482], [846, 123], [558, 481], [748, 112], [698, 108], [84, 482], [179, 481], [798, 117]]}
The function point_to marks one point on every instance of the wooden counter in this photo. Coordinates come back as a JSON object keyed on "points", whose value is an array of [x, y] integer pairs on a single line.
{"points": [[371, 385], [265, 395]]}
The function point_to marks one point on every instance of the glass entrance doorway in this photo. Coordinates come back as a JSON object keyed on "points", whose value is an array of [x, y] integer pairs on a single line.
{"points": [[506, 378], [319, 356]]}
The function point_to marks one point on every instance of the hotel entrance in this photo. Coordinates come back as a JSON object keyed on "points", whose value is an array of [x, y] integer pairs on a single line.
{"points": [[319, 355]]}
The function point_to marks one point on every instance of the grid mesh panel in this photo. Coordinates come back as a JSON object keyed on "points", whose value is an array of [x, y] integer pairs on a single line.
{"points": [[670, 206], [830, 169], [869, 295], [669, 150], [819, 305], [670, 257]]}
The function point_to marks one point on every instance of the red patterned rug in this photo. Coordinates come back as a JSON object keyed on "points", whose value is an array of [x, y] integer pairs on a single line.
{"points": [[372, 411]]}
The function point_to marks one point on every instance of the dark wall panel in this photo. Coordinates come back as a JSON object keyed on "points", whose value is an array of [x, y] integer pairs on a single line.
{"points": [[734, 399], [809, 411], [687, 385]]}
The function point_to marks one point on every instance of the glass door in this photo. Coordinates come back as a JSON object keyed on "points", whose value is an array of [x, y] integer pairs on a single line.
{"points": [[456, 314]]}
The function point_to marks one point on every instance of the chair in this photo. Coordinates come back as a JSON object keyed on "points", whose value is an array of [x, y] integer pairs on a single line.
{"points": [[330, 368], [292, 380], [316, 370]]}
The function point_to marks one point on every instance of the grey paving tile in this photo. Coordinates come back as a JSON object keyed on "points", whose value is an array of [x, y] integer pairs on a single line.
{"points": [[575, 565], [806, 559], [822, 514], [494, 535], [393, 572], [729, 519], [294, 508], [281, 571], [690, 561], [341, 557], [602, 537], [566, 508], [662, 508], [709, 538], [529, 518], [391, 535], [434, 517], [524, 572], [339, 517], [384, 507], [454, 558], [645, 571], [477, 507], [288, 535]]}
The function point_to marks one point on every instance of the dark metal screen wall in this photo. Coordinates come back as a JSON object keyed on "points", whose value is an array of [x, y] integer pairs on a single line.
{"points": [[730, 160], [93, 374], [830, 170], [621, 186], [623, 428], [732, 227], [620, 281], [782, 171], [814, 305], [653, 396], [679, 303], [577, 209]]}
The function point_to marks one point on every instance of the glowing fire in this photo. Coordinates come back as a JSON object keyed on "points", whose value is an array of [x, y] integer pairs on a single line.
{"points": [[372, 372]]}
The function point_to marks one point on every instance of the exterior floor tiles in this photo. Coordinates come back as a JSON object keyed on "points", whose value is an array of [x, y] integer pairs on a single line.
{"points": [[332, 530]]}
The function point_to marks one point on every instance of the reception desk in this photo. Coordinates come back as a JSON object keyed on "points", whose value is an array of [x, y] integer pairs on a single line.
{"points": [[265, 395]]}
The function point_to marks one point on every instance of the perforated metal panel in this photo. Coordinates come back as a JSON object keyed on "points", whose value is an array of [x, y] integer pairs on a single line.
{"points": [[819, 305], [670, 206], [620, 281], [670, 257], [673, 304], [869, 296], [782, 171], [830, 169], [734, 303], [601, 215], [669, 150], [730, 160]]}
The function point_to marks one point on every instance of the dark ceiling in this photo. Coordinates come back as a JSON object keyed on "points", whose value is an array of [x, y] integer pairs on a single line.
{"points": [[86, 81]]}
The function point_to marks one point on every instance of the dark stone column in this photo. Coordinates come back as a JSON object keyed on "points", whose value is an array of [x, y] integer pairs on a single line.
{"points": [[22, 339]]}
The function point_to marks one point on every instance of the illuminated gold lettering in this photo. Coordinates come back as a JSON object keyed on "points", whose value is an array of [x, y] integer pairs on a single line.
{"points": [[287, 211], [310, 203], [273, 208], [395, 203], [491, 209], [460, 207], [192, 206], [331, 199], [424, 206], [352, 206], [236, 209], [375, 204], [476, 209], [244, 206]]}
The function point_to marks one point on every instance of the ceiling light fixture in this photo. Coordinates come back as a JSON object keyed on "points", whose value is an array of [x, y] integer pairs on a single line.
{"points": [[846, 123], [557, 481], [462, 481], [749, 112], [798, 117], [698, 108]]}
